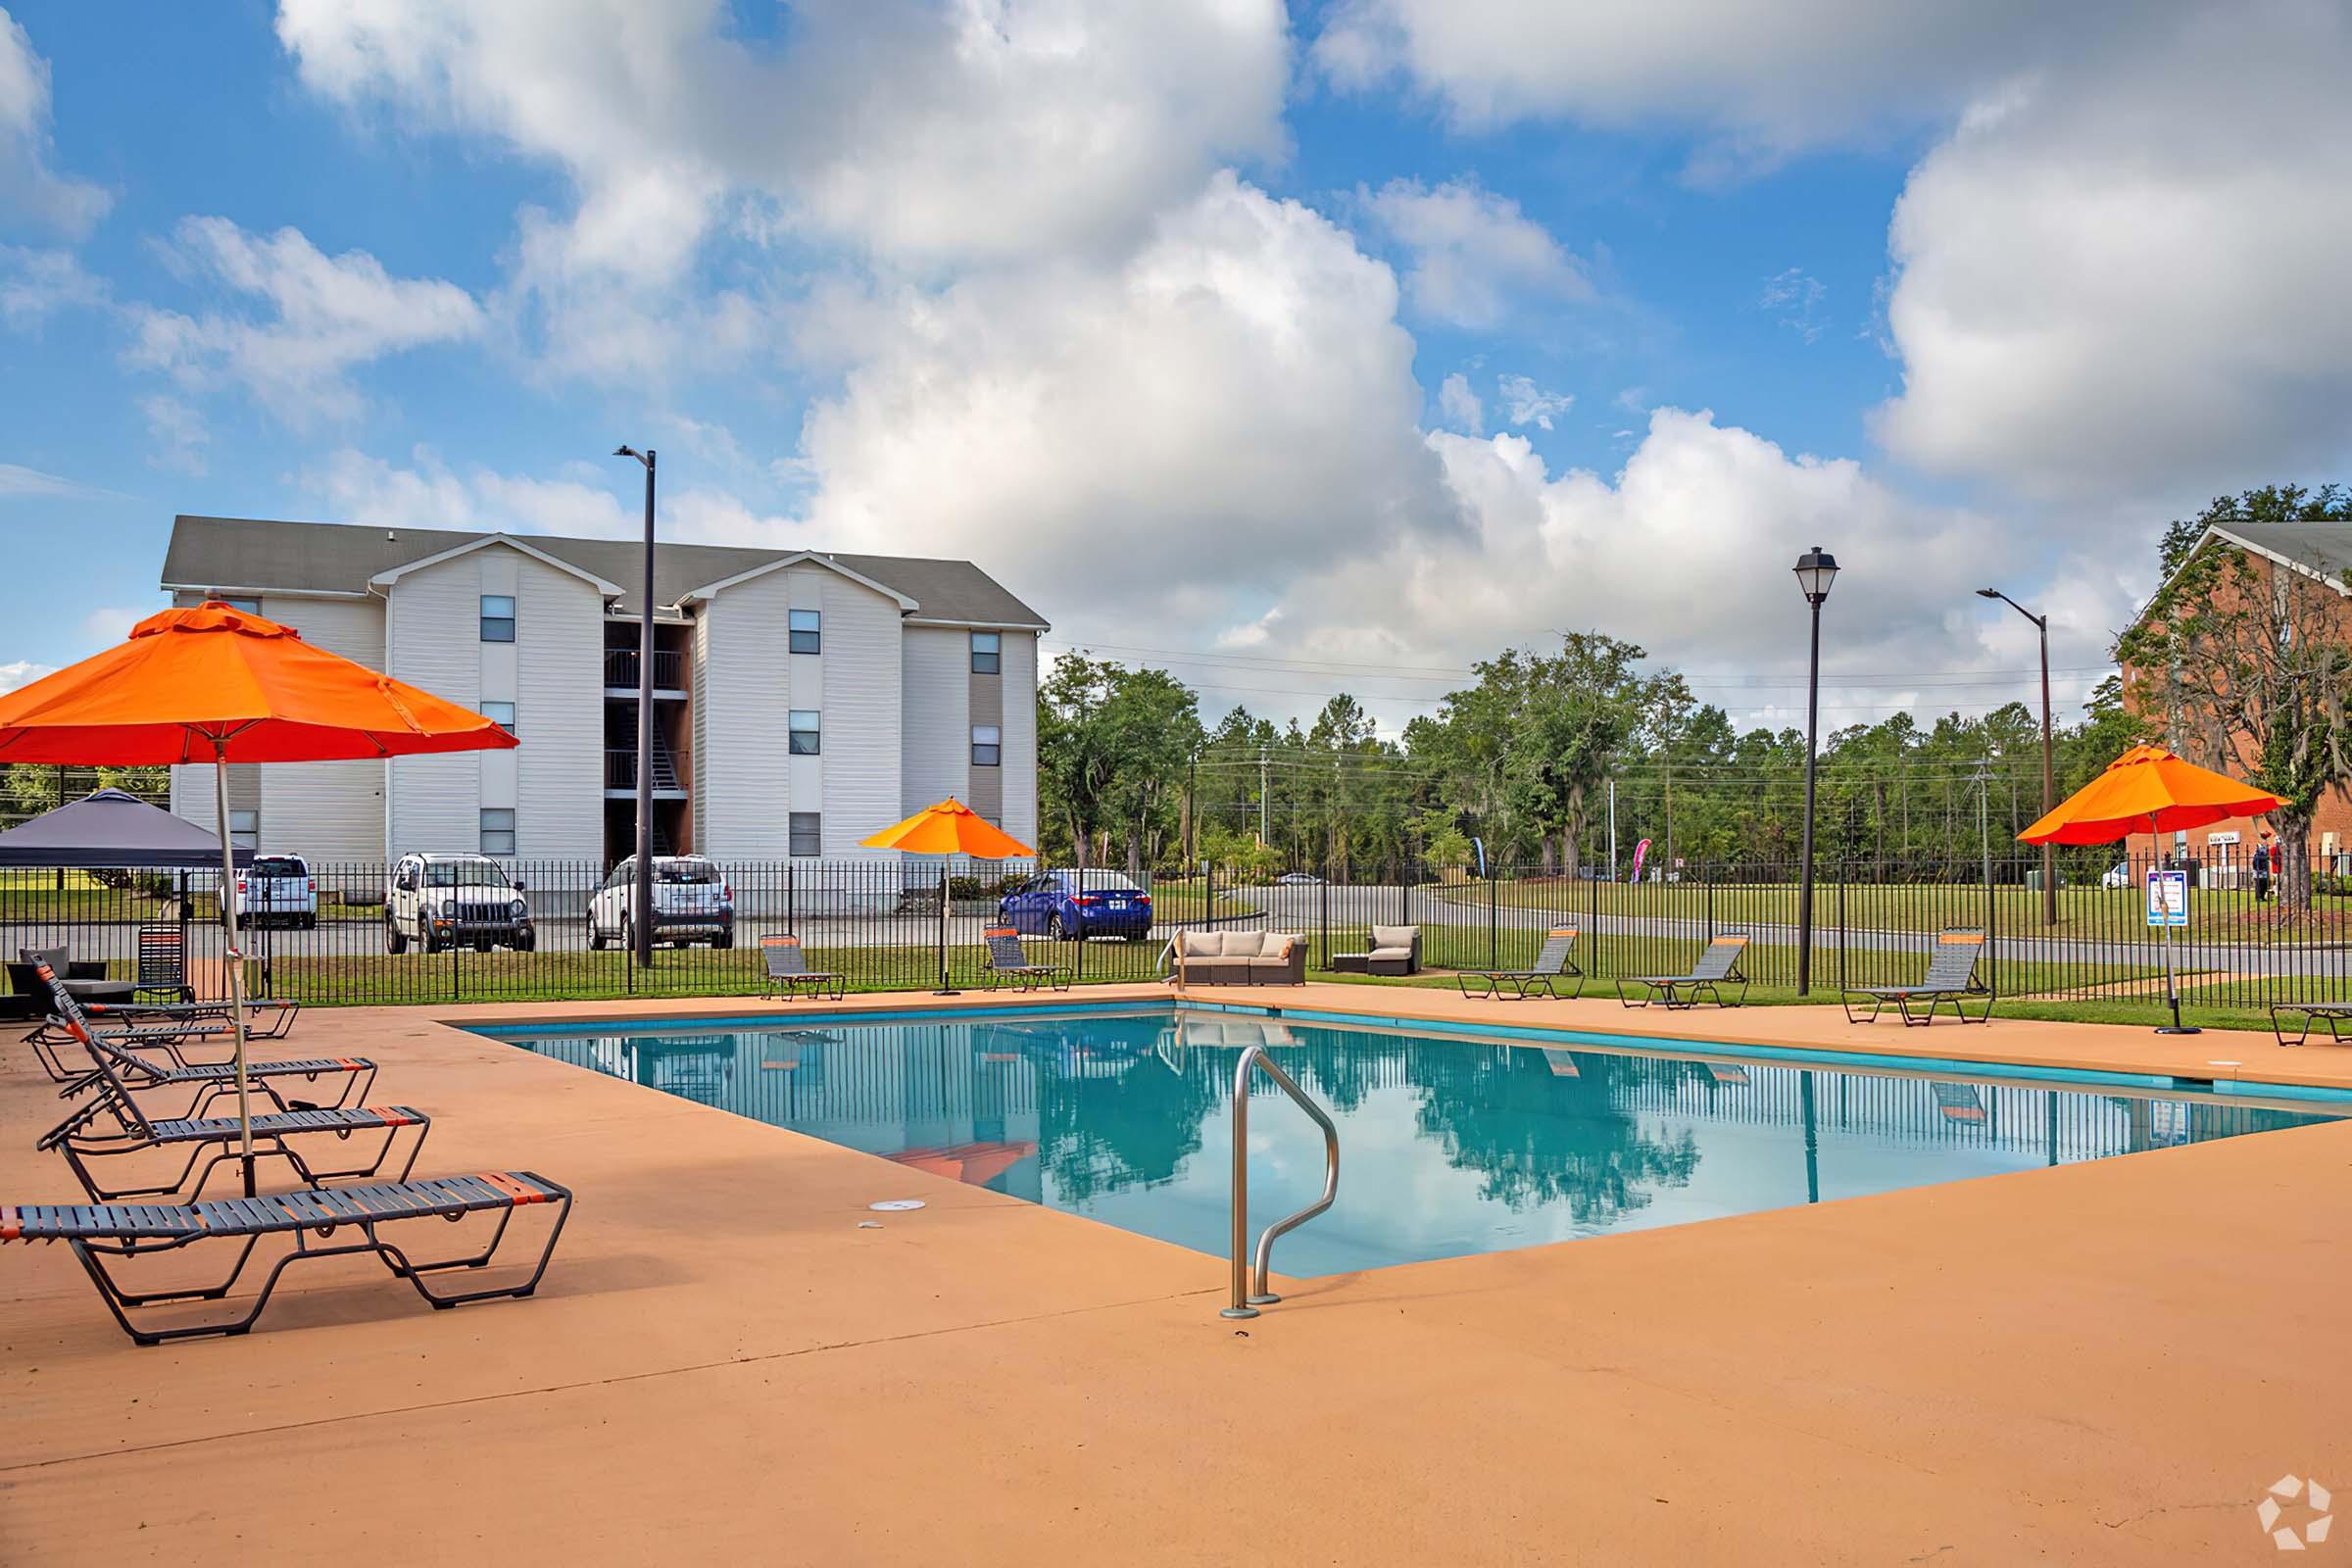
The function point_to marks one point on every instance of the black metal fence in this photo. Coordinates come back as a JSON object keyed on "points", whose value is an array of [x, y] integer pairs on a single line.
{"points": [[883, 926]]}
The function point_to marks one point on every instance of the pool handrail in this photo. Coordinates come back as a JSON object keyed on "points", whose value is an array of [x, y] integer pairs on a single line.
{"points": [[1245, 1300]]}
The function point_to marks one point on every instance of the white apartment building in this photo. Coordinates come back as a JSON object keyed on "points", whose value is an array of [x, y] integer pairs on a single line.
{"points": [[803, 699]]}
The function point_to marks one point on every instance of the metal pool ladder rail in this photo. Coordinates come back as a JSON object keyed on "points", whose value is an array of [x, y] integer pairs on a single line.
{"points": [[1247, 1302]]}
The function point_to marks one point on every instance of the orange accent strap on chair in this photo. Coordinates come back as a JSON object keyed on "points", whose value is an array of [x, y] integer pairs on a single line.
{"points": [[779, 942], [11, 1226], [514, 1189], [1962, 936], [393, 1115]]}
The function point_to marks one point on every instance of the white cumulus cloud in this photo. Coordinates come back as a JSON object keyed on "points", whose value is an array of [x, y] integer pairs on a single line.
{"points": [[2128, 279], [32, 193], [1473, 251], [321, 317]]}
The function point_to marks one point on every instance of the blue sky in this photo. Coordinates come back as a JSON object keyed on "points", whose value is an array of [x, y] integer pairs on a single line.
{"points": [[1330, 347]]}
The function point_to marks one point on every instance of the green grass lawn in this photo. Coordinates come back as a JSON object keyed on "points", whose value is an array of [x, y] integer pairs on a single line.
{"points": [[2112, 913]]}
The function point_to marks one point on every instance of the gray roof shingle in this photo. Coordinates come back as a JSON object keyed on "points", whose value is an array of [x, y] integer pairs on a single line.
{"points": [[2322, 548], [252, 553]]}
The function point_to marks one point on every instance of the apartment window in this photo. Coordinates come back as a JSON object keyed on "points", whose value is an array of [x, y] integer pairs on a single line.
{"points": [[245, 830], [498, 617], [808, 832], [807, 631], [988, 746], [498, 830], [502, 715], [808, 732], [987, 653], [250, 607]]}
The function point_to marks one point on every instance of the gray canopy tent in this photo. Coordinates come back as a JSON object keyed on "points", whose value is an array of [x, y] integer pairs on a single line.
{"points": [[106, 831], [111, 830]]}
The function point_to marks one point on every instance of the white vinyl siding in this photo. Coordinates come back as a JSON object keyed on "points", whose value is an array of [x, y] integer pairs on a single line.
{"points": [[936, 708], [1020, 736], [553, 669], [862, 707], [749, 782]]}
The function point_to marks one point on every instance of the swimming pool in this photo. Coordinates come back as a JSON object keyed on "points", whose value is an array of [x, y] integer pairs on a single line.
{"points": [[1450, 1145]]}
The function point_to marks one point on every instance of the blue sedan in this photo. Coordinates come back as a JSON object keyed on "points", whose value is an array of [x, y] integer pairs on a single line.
{"points": [[1079, 903]]}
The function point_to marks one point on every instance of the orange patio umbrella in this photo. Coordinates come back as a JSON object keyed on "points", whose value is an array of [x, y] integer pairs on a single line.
{"points": [[2150, 790], [949, 827], [220, 685]]}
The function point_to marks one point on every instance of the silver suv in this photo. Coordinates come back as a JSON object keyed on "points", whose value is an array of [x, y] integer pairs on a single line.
{"points": [[444, 901]]}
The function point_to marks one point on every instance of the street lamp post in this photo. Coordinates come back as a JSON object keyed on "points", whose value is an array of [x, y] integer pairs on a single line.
{"points": [[642, 926], [1816, 570], [2049, 784]]}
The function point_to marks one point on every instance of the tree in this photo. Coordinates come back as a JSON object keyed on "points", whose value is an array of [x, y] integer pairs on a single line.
{"points": [[1113, 745], [2247, 665], [1578, 709]]}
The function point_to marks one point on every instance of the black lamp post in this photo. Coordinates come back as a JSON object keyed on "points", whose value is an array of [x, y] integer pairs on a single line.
{"points": [[642, 926], [2050, 789], [1816, 570]]}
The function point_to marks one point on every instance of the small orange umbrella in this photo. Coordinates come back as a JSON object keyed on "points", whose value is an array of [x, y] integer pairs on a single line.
{"points": [[2149, 790], [949, 827], [219, 685]]}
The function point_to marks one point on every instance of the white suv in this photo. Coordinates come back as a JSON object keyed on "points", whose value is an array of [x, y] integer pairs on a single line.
{"points": [[443, 900], [277, 888], [692, 902]]}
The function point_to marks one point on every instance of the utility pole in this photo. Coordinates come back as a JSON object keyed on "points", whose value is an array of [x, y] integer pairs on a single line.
{"points": [[1612, 830], [1261, 792]]}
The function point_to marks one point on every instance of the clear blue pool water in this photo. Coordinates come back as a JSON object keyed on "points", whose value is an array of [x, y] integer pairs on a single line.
{"points": [[1447, 1146]]}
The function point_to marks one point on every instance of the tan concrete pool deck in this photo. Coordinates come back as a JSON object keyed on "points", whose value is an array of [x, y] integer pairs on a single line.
{"points": [[2098, 1363]]}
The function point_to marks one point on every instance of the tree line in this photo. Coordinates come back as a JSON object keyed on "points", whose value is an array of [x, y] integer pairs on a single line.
{"points": [[1521, 763]]}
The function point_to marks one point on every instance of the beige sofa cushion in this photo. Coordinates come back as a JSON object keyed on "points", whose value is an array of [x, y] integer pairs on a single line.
{"points": [[1201, 943], [1398, 938]]}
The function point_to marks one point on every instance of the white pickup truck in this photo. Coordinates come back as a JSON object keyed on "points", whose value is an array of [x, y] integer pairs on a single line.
{"points": [[278, 890]]}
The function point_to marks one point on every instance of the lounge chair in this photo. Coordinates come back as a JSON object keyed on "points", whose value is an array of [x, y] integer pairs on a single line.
{"points": [[312, 1217], [79, 1140], [1951, 977], [1009, 965], [163, 962], [210, 1082], [1717, 967], [1553, 964], [2332, 1013], [788, 970]]}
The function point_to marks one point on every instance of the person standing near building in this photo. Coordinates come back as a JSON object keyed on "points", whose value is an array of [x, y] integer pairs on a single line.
{"points": [[2265, 857]]}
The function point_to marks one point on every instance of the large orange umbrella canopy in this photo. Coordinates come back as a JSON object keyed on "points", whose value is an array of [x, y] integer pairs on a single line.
{"points": [[213, 683], [950, 828], [2148, 790]]}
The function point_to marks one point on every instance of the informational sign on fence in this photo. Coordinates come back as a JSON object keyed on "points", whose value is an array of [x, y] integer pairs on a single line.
{"points": [[2168, 897]]}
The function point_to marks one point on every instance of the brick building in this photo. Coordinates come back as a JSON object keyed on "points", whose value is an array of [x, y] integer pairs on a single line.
{"points": [[2315, 552]]}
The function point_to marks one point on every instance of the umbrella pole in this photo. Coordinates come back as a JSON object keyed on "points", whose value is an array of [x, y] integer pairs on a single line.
{"points": [[945, 988], [2172, 981], [234, 960]]}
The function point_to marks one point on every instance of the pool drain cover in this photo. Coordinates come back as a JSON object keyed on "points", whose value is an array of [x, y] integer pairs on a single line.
{"points": [[895, 1206]]}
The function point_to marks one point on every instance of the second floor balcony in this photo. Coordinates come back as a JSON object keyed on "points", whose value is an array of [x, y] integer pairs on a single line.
{"points": [[621, 773], [621, 673]]}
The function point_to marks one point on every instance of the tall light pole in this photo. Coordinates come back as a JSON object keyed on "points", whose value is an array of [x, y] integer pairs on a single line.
{"points": [[1816, 570], [642, 926], [2049, 783]]}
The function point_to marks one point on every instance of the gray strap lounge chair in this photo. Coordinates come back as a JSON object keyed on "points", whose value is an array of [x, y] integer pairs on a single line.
{"points": [[323, 1222], [207, 1083], [1009, 965], [164, 963], [110, 1125], [1553, 964], [1951, 978], [2332, 1013], [788, 970], [1717, 967]]}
